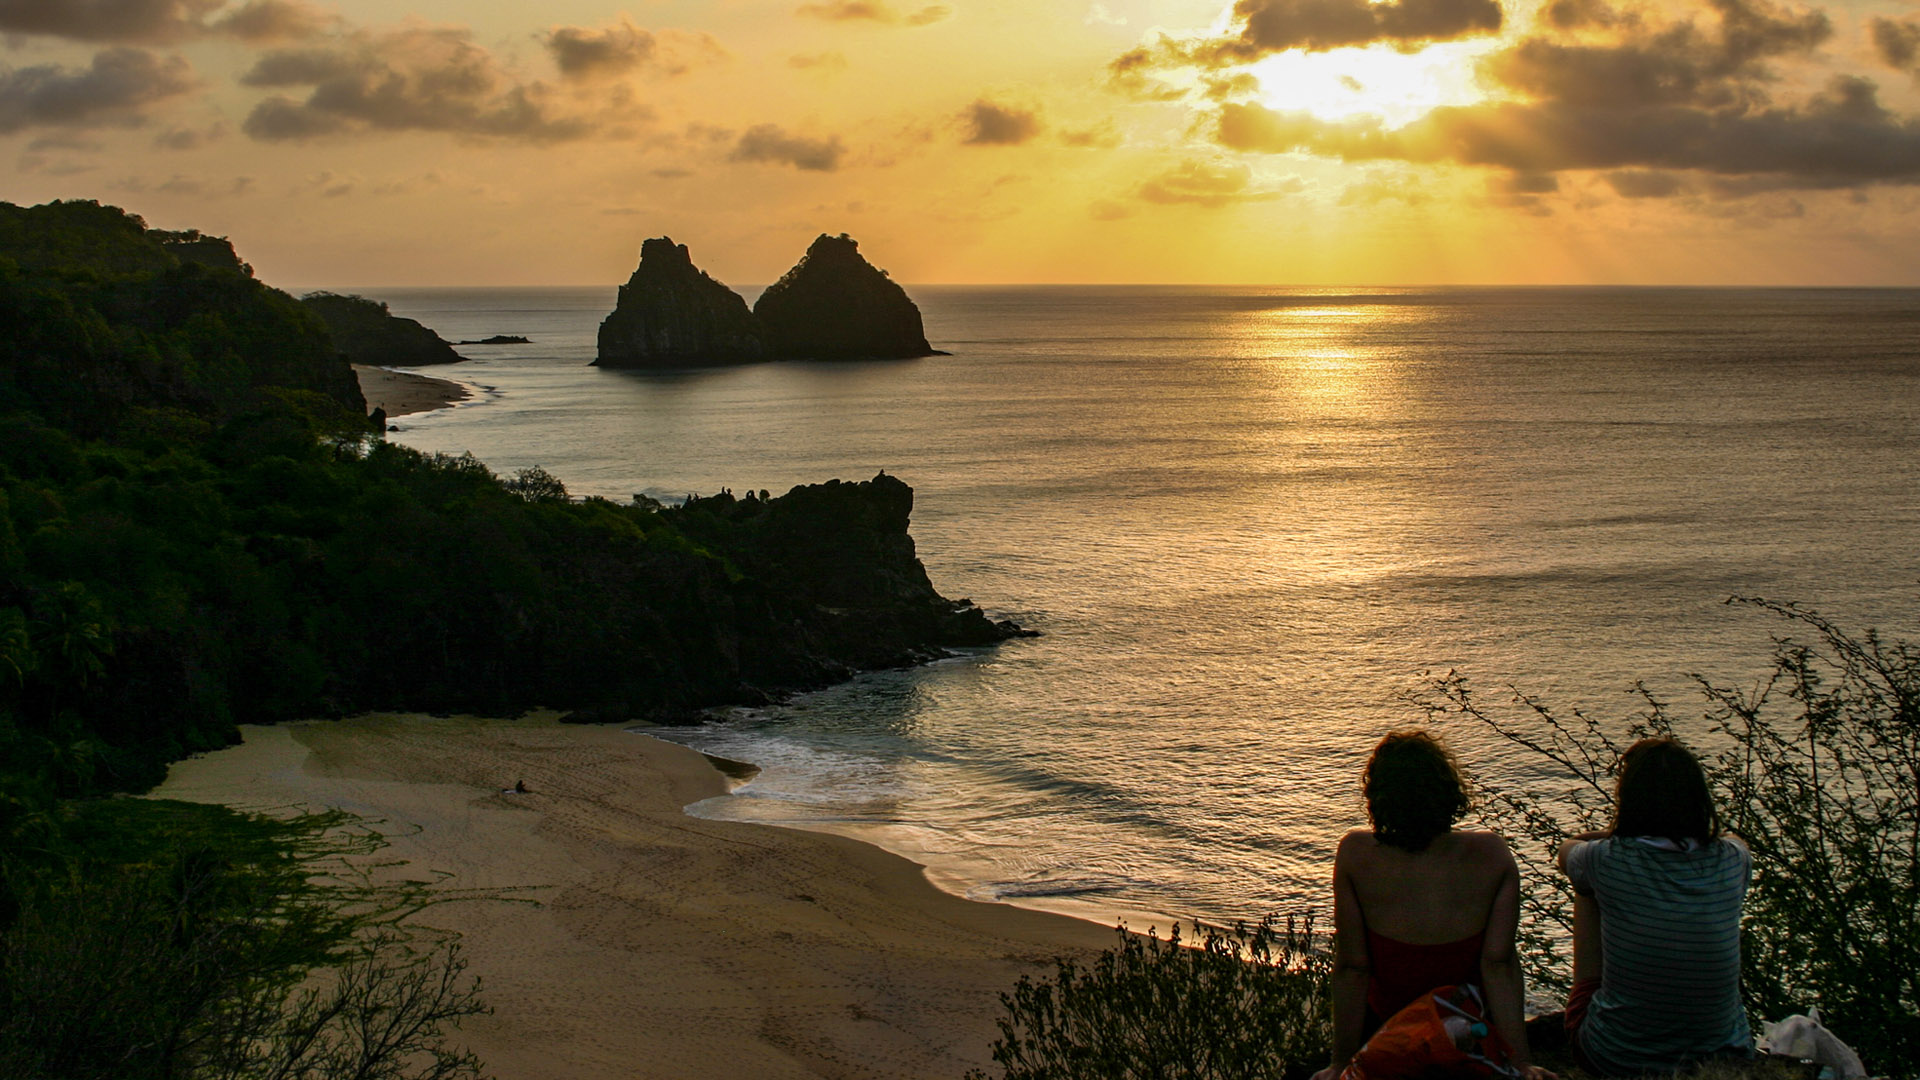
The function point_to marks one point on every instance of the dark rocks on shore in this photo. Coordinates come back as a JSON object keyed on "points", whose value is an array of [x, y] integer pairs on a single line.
{"points": [[835, 305], [365, 332], [499, 339], [670, 314]]}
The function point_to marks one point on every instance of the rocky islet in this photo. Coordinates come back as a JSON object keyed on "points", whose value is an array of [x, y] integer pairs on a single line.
{"points": [[832, 305]]}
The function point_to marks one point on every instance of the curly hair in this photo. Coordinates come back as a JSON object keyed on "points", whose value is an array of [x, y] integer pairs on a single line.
{"points": [[1414, 790], [1662, 791]]}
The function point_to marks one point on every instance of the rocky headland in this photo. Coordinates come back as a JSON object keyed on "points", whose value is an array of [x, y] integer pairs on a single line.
{"points": [[671, 314], [365, 332], [835, 305]]}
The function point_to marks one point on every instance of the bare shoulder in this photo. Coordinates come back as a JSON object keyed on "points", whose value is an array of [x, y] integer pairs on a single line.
{"points": [[1357, 846], [1488, 846]]}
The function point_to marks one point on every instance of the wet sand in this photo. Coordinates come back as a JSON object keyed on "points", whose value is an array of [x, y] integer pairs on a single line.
{"points": [[663, 945], [402, 392]]}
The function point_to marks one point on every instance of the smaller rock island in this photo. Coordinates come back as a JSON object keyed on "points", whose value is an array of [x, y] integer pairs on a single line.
{"points": [[835, 305], [365, 332], [671, 314]]}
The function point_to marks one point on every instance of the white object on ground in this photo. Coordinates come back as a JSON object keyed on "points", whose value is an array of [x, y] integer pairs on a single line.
{"points": [[1805, 1037]]}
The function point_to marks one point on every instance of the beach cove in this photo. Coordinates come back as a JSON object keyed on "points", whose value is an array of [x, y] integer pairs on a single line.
{"points": [[659, 944]]}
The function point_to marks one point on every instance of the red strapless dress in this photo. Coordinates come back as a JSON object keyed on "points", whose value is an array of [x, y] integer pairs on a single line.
{"points": [[1400, 972]]}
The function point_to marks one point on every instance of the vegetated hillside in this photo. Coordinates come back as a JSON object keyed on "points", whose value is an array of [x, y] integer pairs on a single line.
{"points": [[197, 530], [367, 333]]}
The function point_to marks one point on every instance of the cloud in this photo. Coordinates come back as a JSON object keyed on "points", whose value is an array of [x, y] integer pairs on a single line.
{"points": [[1896, 41], [1271, 26], [1098, 15], [263, 21], [989, 124], [623, 48], [120, 87], [1264, 27], [872, 11], [1668, 98], [1645, 183], [179, 138], [1209, 184], [821, 61], [770, 144], [412, 79], [1131, 73], [106, 20], [1102, 136]]}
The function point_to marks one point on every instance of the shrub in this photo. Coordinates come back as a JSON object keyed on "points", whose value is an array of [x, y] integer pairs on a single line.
{"points": [[167, 941], [1236, 1003], [1817, 768]]}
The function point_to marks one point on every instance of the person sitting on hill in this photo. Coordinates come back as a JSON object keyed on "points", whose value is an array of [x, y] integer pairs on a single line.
{"points": [[1418, 905], [1656, 923]]}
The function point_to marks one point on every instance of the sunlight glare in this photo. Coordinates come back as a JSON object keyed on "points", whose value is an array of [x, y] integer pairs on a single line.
{"points": [[1397, 87]]}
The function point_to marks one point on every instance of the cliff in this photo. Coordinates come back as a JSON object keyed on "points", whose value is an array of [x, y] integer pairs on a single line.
{"points": [[110, 321], [670, 314], [834, 305], [365, 332]]}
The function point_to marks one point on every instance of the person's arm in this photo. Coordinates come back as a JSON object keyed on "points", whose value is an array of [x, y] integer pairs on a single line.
{"points": [[1566, 849], [1500, 963], [1351, 966]]}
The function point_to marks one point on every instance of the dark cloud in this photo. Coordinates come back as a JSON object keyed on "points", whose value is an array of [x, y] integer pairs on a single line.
{"points": [[1271, 26], [180, 138], [106, 20], [770, 144], [989, 124], [1238, 84], [1207, 184], [1526, 183], [1645, 183], [63, 140], [582, 53], [1672, 98], [1897, 41], [120, 87], [263, 21], [872, 11], [414, 79], [1576, 14], [624, 48], [1131, 73]]}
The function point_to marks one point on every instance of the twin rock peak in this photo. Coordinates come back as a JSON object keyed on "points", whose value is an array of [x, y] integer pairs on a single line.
{"points": [[833, 305]]}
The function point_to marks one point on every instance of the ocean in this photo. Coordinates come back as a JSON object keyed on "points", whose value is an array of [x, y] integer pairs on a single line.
{"points": [[1253, 524]]}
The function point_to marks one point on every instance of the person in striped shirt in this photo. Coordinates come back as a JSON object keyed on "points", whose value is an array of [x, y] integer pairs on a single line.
{"points": [[1656, 923]]}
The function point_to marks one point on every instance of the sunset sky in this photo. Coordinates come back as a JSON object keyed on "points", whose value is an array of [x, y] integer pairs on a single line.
{"points": [[413, 142]]}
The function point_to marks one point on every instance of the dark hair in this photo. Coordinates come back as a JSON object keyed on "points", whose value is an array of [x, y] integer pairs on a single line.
{"points": [[1663, 792], [1414, 790]]}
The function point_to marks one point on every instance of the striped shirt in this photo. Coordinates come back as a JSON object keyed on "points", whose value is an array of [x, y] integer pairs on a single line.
{"points": [[1670, 951]]}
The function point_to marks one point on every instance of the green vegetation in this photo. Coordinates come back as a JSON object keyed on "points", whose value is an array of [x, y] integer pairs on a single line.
{"points": [[1818, 768], [1234, 1004], [172, 941]]}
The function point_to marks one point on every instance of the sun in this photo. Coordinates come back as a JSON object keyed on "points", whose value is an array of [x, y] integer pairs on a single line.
{"points": [[1394, 86]]}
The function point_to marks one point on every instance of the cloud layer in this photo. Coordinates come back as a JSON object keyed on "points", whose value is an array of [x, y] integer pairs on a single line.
{"points": [[119, 88], [1646, 102], [771, 144], [412, 79]]}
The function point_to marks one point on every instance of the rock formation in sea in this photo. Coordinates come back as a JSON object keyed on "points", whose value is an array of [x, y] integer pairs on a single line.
{"points": [[834, 305], [365, 332], [670, 314]]}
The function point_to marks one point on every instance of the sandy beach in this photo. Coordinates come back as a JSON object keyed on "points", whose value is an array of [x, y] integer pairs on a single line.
{"points": [[662, 945], [402, 392]]}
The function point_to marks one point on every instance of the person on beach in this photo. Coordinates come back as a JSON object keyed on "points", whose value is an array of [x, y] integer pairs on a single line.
{"points": [[1419, 905], [1656, 923]]}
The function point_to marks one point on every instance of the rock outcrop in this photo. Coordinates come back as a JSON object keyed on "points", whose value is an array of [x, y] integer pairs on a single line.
{"points": [[834, 305], [365, 332], [670, 314]]}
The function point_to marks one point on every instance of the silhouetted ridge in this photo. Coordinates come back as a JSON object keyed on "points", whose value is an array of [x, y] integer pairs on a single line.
{"points": [[670, 314], [834, 305], [365, 332]]}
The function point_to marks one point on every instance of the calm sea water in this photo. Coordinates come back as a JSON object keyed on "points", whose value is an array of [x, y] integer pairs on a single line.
{"points": [[1247, 521]]}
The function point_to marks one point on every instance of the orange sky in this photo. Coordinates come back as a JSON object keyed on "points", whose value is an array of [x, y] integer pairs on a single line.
{"points": [[367, 143]]}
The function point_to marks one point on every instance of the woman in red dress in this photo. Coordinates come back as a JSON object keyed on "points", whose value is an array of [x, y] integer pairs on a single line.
{"points": [[1418, 904]]}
